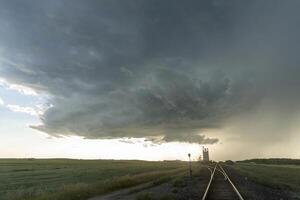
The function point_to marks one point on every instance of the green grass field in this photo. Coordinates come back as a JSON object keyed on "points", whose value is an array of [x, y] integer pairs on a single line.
{"points": [[286, 177], [76, 179]]}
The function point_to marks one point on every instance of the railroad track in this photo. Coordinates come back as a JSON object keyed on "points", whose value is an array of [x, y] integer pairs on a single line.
{"points": [[220, 186]]}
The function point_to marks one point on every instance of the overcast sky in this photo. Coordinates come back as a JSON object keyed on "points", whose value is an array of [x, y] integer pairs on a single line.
{"points": [[159, 76]]}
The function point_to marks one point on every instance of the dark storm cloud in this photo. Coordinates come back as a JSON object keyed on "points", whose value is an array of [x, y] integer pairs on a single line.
{"points": [[150, 68]]}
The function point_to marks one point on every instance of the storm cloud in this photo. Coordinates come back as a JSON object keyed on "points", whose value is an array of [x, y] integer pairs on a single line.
{"points": [[151, 69]]}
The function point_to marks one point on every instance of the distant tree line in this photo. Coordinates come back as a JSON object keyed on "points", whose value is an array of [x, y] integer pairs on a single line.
{"points": [[274, 161]]}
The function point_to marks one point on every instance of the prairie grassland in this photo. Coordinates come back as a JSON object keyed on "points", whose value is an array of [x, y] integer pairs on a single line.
{"points": [[76, 179], [286, 177]]}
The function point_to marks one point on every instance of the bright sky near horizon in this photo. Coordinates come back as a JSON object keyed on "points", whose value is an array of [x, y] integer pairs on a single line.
{"points": [[149, 80]]}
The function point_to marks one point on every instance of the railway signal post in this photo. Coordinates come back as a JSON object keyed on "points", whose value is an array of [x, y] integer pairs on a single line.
{"points": [[190, 165]]}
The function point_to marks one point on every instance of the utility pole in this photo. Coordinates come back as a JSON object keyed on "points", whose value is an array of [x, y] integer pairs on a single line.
{"points": [[190, 165]]}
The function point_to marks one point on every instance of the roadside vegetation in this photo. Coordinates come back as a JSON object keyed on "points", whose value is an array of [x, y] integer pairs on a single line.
{"points": [[65, 179], [274, 161], [284, 177]]}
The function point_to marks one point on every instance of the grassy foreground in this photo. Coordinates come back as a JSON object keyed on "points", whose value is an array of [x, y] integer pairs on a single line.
{"points": [[285, 177], [76, 179]]}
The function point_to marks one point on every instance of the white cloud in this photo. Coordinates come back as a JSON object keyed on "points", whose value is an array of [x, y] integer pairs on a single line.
{"points": [[41, 108], [19, 88], [22, 89], [1, 102], [36, 110], [28, 110]]}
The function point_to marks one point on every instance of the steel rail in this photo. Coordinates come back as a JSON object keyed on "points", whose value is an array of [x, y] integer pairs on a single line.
{"points": [[210, 170], [233, 186], [209, 183]]}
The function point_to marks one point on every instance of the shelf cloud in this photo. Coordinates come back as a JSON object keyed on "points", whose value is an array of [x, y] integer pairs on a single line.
{"points": [[164, 69]]}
